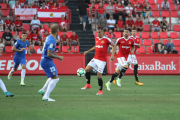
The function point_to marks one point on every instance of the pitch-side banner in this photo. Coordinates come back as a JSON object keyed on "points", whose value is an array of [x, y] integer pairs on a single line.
{"points": [[69, 65], [50, 15], [25, 14], [150, 64]]}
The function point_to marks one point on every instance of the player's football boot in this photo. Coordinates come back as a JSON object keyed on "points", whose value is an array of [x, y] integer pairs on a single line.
{"points": [[88, 86], [41, 92], [8, 94], [22, 84], [114, 81], [9, 75], [48, 99], [118, 81], [139, 83], [108, 85], [100, 92]]}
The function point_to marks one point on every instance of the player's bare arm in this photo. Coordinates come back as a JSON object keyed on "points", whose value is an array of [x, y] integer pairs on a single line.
{"points": [[53, 55], [28, 50], [92, 49], [133, 49], [16, 50], [113, 51]]}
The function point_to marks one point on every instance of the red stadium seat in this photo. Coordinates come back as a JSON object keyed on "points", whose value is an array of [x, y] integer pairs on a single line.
{"points": [[145, 35], [149, 50], [138, 34], [171, 1], [147, 28], [105, 5], [20, 33], [140, 1], [147, 42], [65, 49], [179, 34], [173, 35], [172, 7], [141, 43], [1, 33], [3, 6], [154, 35], [96, 6], [8, 49], [141, 50], [26, 26], [177, 48], [153, 7], [46, 26], [159, 1], [68, 34], [151, 2], [174, 13], [155, 13], [36, 48], [73, 49], [163, 35], [165, 13], [176, 42], [59, 50], [117, 34], [165, 41], [5, 12], [13, 33], [95, 34], [156, 41], [60, 33], [176, 27]]}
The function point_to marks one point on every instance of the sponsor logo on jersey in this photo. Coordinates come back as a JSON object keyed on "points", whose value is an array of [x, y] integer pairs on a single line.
{"points": [[99, 46], [122, 41], [125, 47], [102, 41]]}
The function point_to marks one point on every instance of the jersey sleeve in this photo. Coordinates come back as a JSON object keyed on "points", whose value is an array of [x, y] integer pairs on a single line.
{"points": [[17, 43], [109, 41], [50, 46], [118, 41]]}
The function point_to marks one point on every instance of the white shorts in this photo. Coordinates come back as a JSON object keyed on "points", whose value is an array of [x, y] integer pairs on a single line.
{"points": [[133, 59], [98, 65], [122, 62]]}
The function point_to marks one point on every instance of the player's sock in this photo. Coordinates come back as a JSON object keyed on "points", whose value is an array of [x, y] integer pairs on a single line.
{"points": [[88, 77], [12, 70], [136, 72], [46, 85], [122, 72], [23, 72], [2, 86], [113, 77], [100, 82], [50, 87]]}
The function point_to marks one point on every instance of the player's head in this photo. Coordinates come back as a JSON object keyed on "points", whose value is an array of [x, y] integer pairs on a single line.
{"points": [[138, 19], [130, 18], [134, 32], [111, 17], [100, 32], [156, 17], [126, 33], [24, 36], [62, 17], [54, 29]]}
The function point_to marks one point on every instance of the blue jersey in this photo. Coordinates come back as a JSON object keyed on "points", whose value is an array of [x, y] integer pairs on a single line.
{"points": [[19, 45], [50, 44]]}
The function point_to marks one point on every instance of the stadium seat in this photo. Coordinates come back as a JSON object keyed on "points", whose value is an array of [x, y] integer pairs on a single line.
{"points": [[95, 34], [147, 42], [46, 26], [26, 26], [141, 50], [173, 35], [105, 5], [165, 41], [151, 2], [8, 49], [138, 34], [155, 13], [165, 13], [155, 41], [141, 43], [171, 1], [149, 50], [3, 6], [68, 34], [176, 27], [73, 49], [177, 48], [159, 1], [20, 33], [96, 6], [179, 34], [172, 7], [147, 28], [176, 42], [154, 35], [60, 33], [13, 33], [65, 49], [145, 35], [153, 7], [174, 13], [140, 1], [163, 35], [117, 34], [1, 33], [36, 48], [5, 12]]}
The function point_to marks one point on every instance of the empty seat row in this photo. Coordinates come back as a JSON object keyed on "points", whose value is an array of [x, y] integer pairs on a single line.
{"points": [[155, 35], [151, 42]]}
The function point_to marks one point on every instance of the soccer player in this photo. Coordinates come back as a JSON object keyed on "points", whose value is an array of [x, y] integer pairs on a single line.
{"points": [[99, 61], [124, 43], [48, 65], [20, 58]]}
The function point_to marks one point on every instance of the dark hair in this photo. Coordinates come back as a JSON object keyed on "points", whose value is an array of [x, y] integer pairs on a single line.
{"points": [[126, 29], [18, 16], [35, 15], [54, 29], [24, 33], [164, 17], [100, 28], [134, 29]]}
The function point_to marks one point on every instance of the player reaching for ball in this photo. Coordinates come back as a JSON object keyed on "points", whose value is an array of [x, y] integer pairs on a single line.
{"points": [[20, 57], [48, 65], [99, 61]]}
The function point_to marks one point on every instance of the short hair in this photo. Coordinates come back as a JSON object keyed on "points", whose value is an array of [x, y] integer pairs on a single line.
{"points": [[100, 28], [18, 16], [126, 29], [24, 33], [164, 17], [134, 29], [54, 29]]}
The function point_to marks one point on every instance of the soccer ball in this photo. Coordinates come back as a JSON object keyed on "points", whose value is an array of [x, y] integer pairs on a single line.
{"points": [[81, 72]]}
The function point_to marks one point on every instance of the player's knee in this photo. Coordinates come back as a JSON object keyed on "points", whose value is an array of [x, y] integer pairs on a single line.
{"points": [[15, 69], [56, 77], [99, 75], [126, 66], [118, 71], [23, 66]]}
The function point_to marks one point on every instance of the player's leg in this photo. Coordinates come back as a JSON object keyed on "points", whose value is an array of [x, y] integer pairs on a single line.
{"points": [[3, 87], [23, 73], [16, 64]]}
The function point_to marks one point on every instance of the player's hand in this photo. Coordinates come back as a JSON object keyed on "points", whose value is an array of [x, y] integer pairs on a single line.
{"points": [[61, 58], [22, 49], [85, 52], [112, 58]]}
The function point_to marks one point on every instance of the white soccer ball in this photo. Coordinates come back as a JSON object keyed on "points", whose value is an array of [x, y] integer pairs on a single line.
{"points": [[81, 72]]}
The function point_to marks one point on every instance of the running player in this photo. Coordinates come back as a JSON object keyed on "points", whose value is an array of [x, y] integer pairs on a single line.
{"points": [[20, 57], [3, 87], [124, 43], [99, 61], [48, 65]]}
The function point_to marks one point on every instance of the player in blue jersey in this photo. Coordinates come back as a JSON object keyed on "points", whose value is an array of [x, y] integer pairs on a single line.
{"points": [[20, 57], [48, 65], [3, 87]]}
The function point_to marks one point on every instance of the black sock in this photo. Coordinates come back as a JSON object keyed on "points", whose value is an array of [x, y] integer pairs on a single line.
{"points": [[88, 77], [122, 72], [113, 77], [136, 72], [100, 82]]}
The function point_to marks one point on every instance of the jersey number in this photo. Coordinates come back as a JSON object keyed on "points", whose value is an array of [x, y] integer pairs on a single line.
{"points": [[52, 69]]}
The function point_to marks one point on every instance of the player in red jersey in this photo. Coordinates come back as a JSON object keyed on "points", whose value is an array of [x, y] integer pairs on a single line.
{"points": [[125, 43], [99, 61]]}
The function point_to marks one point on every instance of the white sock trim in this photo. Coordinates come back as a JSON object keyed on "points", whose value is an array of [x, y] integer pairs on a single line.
{"points": [[2, 86], [46, 85], [23, 72]]}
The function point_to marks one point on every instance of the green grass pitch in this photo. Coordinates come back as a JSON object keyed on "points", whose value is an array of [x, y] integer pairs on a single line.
{"points": [[158, 99]]}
